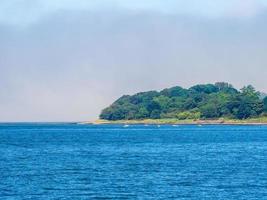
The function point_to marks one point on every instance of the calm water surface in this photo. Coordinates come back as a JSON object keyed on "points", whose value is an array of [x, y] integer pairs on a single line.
{"points": [[67, 161]]}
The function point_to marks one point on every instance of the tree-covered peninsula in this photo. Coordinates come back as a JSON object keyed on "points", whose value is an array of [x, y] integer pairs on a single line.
{"points": [[200, 102]]}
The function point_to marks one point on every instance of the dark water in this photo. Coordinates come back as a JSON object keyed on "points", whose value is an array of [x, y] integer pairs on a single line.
{"points": [[64, 161]]}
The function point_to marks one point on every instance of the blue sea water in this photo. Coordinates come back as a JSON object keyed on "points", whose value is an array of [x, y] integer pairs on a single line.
{"points": [[68, 161]]}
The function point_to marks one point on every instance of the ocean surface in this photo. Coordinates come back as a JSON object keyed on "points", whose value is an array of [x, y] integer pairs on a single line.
{"points": [[68, 161]]}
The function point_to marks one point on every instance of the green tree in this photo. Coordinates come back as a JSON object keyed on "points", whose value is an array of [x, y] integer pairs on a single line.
{"points": [[155, 114], [265, 104], [174, 92], [247, 104], [142, 113], [226, 87], [208, 88], [205, 101], [209, 111]]}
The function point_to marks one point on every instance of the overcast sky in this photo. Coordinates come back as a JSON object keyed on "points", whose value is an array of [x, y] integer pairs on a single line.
{"points": [[65, 60]]}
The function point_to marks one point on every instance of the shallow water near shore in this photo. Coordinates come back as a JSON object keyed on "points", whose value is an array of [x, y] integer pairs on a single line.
{"points": [[69, 161]]}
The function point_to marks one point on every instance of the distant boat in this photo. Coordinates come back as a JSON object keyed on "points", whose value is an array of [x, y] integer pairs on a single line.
{"points": [[126, 125], [174, 125], [158, 126]]}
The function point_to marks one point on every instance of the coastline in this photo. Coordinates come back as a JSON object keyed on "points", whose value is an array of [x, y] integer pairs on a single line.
{"points": [[252, 121]]}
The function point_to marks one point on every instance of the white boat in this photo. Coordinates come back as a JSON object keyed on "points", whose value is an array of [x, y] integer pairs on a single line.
{"points": [[126, 125]]}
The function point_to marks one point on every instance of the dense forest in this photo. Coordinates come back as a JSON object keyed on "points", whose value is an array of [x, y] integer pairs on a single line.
{"points": [[210, 101]]}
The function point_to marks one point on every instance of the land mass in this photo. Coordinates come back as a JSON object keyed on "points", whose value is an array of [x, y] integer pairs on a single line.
{"points": [[252, 121], [218, 103]]}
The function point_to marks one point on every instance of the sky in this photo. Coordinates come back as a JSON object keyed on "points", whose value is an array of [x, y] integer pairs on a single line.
{"points": [[66, 60]]}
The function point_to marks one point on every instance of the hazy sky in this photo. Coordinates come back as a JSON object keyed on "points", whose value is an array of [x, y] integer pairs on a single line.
{"points": [[65, 60]]}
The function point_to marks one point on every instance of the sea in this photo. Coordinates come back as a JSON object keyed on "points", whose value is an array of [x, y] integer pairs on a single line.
{"points": [[71, 161]]}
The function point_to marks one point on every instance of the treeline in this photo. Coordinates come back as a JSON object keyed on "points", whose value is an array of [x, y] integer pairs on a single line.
{"points": [[210, 101]]}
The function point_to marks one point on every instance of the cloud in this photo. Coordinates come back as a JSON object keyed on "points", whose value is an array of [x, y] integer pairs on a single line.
{"points": [[206, 8], [70, 60], [26, 12], [70, 65]]}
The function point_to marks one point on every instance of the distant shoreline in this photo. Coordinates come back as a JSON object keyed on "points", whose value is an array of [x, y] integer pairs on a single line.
{"points": [[254, 121]]}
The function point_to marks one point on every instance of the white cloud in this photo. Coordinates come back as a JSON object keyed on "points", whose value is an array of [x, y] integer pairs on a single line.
{"points": [[71, 66], [26, 12]]}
